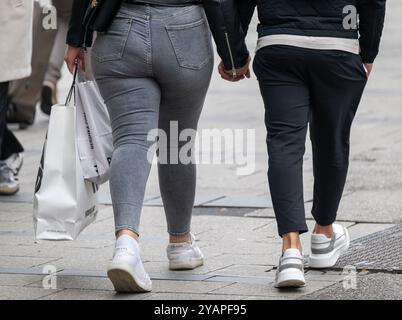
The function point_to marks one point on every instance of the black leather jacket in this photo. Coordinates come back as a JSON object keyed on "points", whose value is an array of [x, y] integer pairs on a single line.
{"points": [[225, 23]]}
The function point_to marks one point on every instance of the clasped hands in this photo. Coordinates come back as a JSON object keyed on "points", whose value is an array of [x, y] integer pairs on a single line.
{"points": [[235, 75]]}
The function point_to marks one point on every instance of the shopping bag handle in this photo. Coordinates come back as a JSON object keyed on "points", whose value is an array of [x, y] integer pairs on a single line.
{"points": [[71, 92]]}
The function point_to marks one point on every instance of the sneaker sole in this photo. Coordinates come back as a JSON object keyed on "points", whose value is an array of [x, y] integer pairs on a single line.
{"points": [[126, 282], [330, 259], [7, 191], [290, 278], [189, 264]]}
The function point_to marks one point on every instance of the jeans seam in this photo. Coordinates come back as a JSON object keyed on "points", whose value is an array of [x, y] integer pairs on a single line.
{"points": [[149, 48]]}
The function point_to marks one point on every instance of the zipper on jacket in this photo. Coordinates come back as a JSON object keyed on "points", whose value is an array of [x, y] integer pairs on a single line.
{"points": [[231, 54]]}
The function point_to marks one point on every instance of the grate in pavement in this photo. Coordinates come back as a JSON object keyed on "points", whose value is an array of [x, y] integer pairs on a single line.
{"points": [[381, 251]]}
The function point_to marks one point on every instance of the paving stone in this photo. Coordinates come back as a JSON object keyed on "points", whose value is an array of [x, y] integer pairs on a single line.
{"points": [[82, 273], [22, 293], [242, 201], [17, 280], [96, 264], [192, 296], [233, 259], [363, 229], [326, 277], [74, 294], [13, 214], [186, 286], [269, 291], [257, 298], [85, 283], [244, 270], [24, 262], [369, 206], [22, 250], [16, 228], [378, 286], [236, 279], [20, 197], [210, 266]]}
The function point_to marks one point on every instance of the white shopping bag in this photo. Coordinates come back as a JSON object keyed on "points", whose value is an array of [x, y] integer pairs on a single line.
{"points": [[64, 203], [94, 133]]}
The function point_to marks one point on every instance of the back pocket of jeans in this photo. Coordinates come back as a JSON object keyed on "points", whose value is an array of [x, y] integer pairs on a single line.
{"points": [[191, 43], [110, 45]]}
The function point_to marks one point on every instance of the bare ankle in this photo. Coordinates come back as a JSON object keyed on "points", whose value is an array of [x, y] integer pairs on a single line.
{"points": [[130, 233], [327, 231], [292, 241], [180, 239]]}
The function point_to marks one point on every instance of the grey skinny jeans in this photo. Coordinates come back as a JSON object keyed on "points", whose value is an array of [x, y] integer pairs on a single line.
{"points": [[153, 67]]}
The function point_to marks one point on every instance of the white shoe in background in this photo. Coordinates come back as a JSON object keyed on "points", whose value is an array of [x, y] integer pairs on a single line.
{"points": [[9, 184], [15, 162]]}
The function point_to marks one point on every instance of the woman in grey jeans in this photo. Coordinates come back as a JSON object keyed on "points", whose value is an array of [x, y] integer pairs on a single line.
{"points": [[153, 67]]}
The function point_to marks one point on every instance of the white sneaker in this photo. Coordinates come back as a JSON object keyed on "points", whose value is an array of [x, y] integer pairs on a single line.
{"points": [[126, 270], [290, 272], [9, 184], [15, 162], [184, 256], [325, 252]]}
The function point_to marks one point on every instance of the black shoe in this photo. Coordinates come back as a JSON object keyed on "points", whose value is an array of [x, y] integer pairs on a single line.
{"points": [[47, 100], [23, 116]]}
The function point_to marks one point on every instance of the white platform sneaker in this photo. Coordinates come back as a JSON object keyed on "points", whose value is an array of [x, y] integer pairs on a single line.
{"points": [[184, 256], [290, 272], [325, 252], [126, 270]]}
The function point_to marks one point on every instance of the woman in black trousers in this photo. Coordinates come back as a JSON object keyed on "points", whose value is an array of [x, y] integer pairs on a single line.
{"points": [[312, 63]]}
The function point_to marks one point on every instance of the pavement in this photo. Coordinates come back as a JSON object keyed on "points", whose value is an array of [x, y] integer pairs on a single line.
{"points": [[233, 221]]}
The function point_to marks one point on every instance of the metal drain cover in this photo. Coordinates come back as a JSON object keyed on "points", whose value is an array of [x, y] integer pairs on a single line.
{"points": [[381, 251]]}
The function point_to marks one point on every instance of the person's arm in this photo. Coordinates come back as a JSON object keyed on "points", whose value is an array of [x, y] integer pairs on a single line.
{"points": [[76, 31], [371, 23], [76, 36], [246, 10], [229, 26]]}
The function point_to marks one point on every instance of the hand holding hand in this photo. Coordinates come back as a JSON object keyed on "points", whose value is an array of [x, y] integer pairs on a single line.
{"points": [[237, 75]]}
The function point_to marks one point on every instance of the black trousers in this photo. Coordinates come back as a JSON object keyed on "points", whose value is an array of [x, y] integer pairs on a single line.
{"points": [[9, 144], [302, 87]]}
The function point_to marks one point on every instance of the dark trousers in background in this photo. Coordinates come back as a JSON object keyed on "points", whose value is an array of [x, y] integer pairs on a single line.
{"points": [[9, 144], [302, 87]]}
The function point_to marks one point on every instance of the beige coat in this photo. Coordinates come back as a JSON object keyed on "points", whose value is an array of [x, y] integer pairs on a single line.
{"points": [[15, 39]]}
